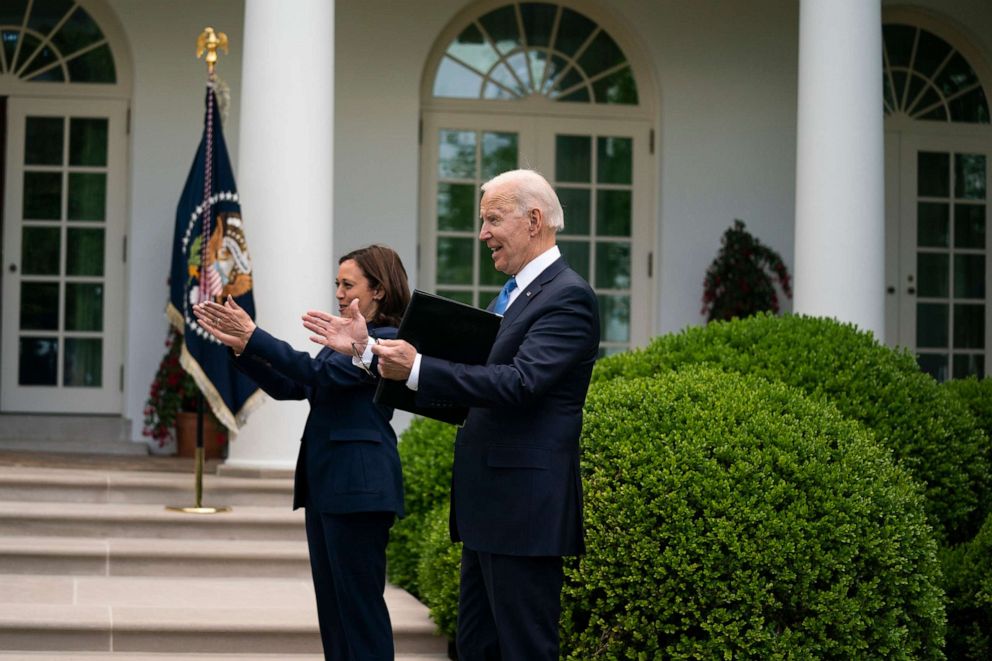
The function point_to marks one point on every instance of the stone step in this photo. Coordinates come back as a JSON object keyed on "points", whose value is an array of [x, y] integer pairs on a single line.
{"points": [[117, 520], [182, 615], [153, 557], [107, 486]]}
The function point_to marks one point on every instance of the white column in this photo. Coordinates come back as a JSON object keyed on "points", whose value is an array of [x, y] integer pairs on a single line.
{"points": [[285, 176], [840, 201]]}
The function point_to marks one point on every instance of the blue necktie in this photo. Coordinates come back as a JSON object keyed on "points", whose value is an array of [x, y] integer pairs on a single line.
{"points": [[504, 295]]}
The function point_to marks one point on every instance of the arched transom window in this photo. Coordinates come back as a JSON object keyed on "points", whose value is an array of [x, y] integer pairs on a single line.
{"points": [[53, 41], [535, 49], [927, 78]]}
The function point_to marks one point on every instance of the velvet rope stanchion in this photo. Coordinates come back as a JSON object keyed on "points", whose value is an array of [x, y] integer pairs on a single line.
{"points": [[198, 507]]}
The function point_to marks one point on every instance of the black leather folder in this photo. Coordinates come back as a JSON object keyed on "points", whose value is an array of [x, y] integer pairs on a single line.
{"points": [[441, 328]]}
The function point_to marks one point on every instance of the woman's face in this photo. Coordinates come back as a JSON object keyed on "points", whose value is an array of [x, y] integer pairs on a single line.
{"points": [[351, 283]]}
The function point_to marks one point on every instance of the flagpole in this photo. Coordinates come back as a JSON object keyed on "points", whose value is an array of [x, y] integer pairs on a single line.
{"points": [[208, 41]]}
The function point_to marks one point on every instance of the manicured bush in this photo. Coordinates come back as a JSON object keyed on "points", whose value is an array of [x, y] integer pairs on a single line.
{"points": [[977, 396], [427, 451], [732, 517], [438, 571], [924, 425], [968, 580]]}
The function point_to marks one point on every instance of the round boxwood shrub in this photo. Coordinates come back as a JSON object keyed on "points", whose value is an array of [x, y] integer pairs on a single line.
{"points": [[968, 579], [977, 396], [924, 425], [427, 451], [732, 517], [438, 571]]}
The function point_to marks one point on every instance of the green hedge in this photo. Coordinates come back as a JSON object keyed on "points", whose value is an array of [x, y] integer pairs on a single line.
{"points": [[925, 426], [438, 571], [968, 577], [427, 451], [732, 517], [977, 396]]}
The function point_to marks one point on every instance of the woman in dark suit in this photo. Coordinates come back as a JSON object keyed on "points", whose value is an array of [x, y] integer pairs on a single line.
{"points": [[348, 475]]}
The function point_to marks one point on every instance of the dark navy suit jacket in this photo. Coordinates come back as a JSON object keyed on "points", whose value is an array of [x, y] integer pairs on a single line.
{"points": [[348, 460], [516, 487]]}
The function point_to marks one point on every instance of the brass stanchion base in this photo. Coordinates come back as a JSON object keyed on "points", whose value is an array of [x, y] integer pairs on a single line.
{"points": [[198, 510]]}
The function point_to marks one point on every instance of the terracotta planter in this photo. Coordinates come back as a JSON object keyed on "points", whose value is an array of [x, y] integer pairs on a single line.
{"points": [[186, 436]]}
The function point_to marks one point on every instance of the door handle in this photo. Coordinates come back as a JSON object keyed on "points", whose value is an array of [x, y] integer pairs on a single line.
{"points": [[911, 290], [890, 290], [12, 268]]}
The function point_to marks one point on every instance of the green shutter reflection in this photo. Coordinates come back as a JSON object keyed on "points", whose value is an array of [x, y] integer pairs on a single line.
{"points": [[456, 207], [614, 160], [42, 196], [933, 273], [618, 87], [39, 306], [454, 260], [613, 212], [95, 66], [84, 251], [576, 206], [934, 364], [456, 158], [457, 295], [83, 362], [969, 176], [87, 195], [499, 153], [613, 265], [932, 224], [37, 362], [83, 306], [488, 275], [969, 326], [77, 33], [576, 254], [969, 226], [969, 276], [614, 318], [573, 158], [971, 364], [933, 175], [40, 250], [43, 140], [932, 321], [88, 141]]}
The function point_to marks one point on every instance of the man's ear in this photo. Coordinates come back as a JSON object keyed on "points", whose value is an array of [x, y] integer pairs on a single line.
{"points": [[534, 220]]}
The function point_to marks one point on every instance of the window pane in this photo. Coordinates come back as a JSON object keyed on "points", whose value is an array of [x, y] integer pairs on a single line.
{"points": [[932, 224], [474, 50], [40, 250], [933, 174], [454, 260], [10, 38], [501, 24], [613, 212], [87, 195], [95, 66], [971, 364], [84, 306], [575, 205], [613, 265], [614, 160], [456, 159], [87, 141], [899, 41], [43, 195], [969, 226], [614, 318], [38, 361], [602, 54], [969, 176], [503, 75], [970, 107], [573, 30], [618, 87], [83, 362], [39, 306], [581, 95], [969, 326], [538, 19], [488, 275], [573, 158], [456, 207], [932, 325], [933, 272], [576, 254], [41, 60], [43, 140], [77, 33], [499, 153], [461, 296], [455, 81], [930, 53], [84, 252], [969, 276], [956, 75], [934, 364]]}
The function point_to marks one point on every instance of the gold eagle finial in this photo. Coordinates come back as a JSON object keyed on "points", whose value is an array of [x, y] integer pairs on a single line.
{"points": [[210, 41]]}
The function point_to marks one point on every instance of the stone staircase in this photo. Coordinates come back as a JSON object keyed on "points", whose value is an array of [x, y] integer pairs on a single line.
{"points": [[92, 566]]}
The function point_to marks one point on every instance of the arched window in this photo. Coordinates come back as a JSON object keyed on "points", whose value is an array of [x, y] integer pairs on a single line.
{"points": [[535, 48], [53, 41], [927, 78]]}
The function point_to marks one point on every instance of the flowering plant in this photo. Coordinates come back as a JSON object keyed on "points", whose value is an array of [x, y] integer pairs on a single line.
{"points": [[737, 283], [173, 390]]}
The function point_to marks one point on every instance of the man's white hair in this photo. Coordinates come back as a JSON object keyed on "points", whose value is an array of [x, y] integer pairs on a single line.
{"points": [[530, 190]]}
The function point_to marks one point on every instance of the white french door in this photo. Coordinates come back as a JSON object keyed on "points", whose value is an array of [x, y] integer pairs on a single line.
{"points": [[944, 273], [601, 171], [63, 281]]}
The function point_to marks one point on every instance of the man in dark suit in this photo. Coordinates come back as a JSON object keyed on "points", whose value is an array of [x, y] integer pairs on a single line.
{"points": [[516, 491]]}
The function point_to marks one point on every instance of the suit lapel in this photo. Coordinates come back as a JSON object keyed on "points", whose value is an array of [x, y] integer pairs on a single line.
{"points": [[531, 292]]}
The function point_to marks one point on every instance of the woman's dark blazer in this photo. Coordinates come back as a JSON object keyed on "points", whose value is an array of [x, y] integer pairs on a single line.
{"points": [[348, 460]]}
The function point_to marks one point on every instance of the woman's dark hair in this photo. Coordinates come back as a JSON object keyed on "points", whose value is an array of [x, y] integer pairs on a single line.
{"points": [[384, 270]]}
